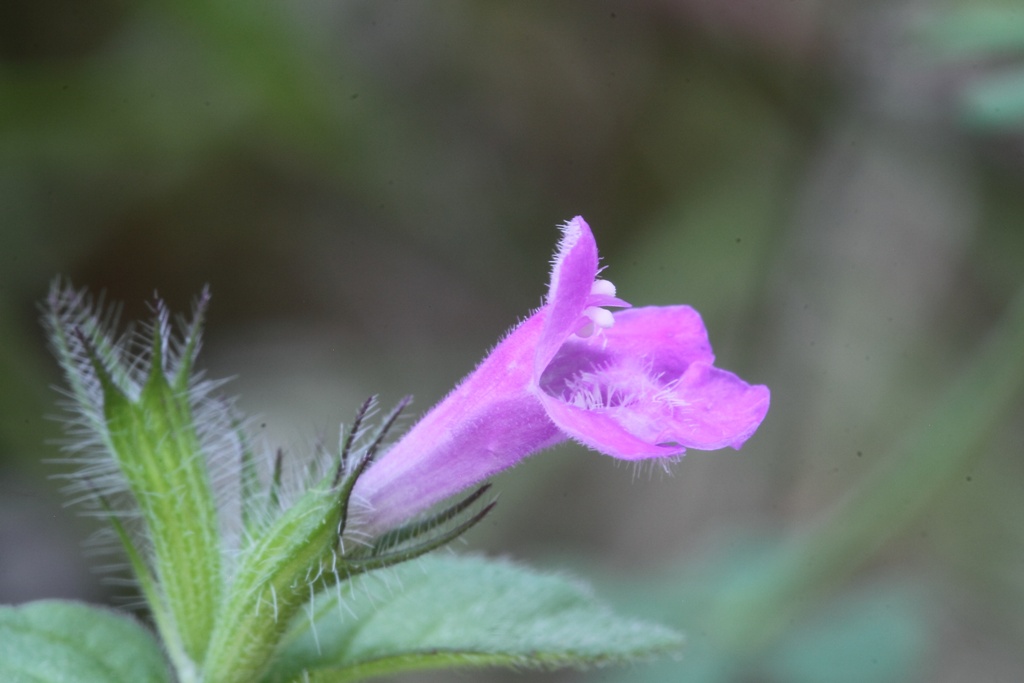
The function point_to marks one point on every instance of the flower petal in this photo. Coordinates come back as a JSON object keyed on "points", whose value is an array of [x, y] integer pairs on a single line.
{"points": [[648, 388], [672, 337], [715, 409], [572, 277], [666, 338], [603, 431], [487, 424]]}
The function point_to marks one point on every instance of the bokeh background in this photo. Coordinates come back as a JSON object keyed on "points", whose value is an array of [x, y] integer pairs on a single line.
{"points": [[372, 191]]}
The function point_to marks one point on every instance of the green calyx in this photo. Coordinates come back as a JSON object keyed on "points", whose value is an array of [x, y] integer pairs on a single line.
{"points": [[303, 553]]}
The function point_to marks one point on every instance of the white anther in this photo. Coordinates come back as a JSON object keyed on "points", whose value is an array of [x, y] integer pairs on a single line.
{"points": [[603, 318], [603, 287]]}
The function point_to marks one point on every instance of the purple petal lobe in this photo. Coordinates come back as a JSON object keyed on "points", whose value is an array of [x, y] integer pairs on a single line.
{"points": [[603, 431], [713, 408], [672, 336], [572, 276], [648, 388]]}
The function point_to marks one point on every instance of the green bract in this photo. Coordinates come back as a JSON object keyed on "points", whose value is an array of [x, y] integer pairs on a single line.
{"points": [[142, 442], [244, 562]]}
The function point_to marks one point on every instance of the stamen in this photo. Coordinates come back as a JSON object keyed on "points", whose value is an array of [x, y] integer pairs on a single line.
{"points": [[599, 318], [600, 292], [602, 317], [603, 288]]}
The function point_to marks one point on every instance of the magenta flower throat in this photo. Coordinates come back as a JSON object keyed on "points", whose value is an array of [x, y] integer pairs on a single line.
{"points": [[633, 384]]}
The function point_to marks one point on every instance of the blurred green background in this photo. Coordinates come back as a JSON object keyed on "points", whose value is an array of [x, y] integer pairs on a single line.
{"points": [[371, 189]]}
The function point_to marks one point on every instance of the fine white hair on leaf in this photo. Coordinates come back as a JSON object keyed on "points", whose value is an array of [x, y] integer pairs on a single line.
{"points": [[342, 603], [311, 615], [355, 532], [220, 430], [273, 593]]}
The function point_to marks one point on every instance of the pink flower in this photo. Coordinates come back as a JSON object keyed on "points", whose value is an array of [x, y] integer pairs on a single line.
{"points": [[635, 384]]}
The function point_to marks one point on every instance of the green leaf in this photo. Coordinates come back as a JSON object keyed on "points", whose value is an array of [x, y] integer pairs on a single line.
{"points": [[453, 612], [56, 641]]}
